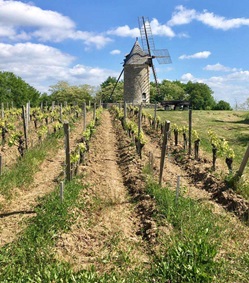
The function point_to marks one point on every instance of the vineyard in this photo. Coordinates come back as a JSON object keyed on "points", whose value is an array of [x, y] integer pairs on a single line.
{"points": [[117, 195]]}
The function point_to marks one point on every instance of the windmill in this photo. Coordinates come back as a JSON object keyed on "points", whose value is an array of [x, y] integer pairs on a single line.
{"points": [[137, 64]]}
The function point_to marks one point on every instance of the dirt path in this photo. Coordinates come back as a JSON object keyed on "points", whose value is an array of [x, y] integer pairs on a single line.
{"points": [[14, 213], [106, 231]]}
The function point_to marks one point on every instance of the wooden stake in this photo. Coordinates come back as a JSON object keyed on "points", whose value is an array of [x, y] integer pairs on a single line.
{"points": [[190, 133], [2, 113], [84, 116], [243, 163], [125, 112], [94, 112], [67, 151], [163, 152], [177, 188], [1, 165], [62, 191], [25, 127], [155, 116]]}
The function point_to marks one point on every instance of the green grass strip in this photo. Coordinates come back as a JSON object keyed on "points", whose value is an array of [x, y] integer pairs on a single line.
{"points": [[22, 173], [30, 258], [189, 253]]}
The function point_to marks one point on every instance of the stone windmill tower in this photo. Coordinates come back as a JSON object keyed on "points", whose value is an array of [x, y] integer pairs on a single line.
{"points": [[137, 76], [137, 64]]}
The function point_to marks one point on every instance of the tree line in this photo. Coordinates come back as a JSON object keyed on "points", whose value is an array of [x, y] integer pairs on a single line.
{"points": [[16, 91], [199, 94]]}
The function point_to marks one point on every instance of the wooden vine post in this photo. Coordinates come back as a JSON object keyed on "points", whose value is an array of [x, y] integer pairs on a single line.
{"points": [[1, 165], [155, 107], [25, 127], [84, 116], [163, 152], [67, 151], [139, 149], [94, 112], [243, 163], [190, 133], [125, 112], [2, 112]]}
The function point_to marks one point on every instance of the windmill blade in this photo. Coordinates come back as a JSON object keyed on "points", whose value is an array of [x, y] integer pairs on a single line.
{"points": [[116, 83], [146, 35], [162, 56]]}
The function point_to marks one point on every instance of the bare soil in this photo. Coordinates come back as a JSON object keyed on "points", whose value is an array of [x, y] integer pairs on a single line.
{"points": [[107, 228], [14, 212]]}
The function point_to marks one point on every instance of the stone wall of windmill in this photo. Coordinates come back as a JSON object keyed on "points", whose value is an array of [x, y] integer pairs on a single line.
{"points": [[136, 84]]}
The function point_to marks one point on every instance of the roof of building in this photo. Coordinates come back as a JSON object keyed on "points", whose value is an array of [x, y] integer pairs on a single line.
{"points": [[137, 56]]}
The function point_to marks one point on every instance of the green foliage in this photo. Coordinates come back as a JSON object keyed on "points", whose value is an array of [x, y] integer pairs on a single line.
{"points": [[222, 105], [190, 256], [63, 92], [200, 96], [15, 90], [106, 94]]}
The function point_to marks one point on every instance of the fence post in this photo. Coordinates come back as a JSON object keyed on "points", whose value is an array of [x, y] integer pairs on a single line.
{"points": [[177, 188], [67, 151], [2, 112], [243, 163], [1, 165], [62, 191], [155, 107], [190, 133], [125, 112], [163, 152], [84, 116], [139, 130], [94, 112], [25, 127]]}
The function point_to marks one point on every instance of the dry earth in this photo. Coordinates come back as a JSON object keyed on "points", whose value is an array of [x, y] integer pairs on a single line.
{"points": [[107, 229], [14, 212]]}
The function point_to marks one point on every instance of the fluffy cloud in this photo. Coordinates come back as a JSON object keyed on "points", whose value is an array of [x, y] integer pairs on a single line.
{"points": [[115, 52], [41, 66], [23, 21], [163, 30], [231, 87], [124, 31], [220, 68], [198, 55], [183, 16]]}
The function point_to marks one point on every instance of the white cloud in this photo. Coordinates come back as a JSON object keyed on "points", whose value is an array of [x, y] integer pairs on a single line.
{"points": [[220, 68], [231, 87], [23, 21], [163, 30], [115, 52], [198, 55], [41, 66], [182, 16], [187, 77], [124, 31]]}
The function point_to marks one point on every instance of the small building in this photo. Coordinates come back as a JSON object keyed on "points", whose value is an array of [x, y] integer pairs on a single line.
{"points": [[175, 104]]}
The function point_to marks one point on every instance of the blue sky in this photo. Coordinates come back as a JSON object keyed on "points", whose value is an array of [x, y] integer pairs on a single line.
{"points": [[85, 41]]}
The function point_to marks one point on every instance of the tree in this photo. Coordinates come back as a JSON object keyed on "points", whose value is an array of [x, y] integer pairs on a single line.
{"points": [[200, 96], [172, 90], [15, 90], [63, 92], [106, 94], [222, 105]]}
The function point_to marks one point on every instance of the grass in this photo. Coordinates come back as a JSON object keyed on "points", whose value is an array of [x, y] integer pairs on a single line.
{"points": [[22, 173], [230, 125], [196, 248]]}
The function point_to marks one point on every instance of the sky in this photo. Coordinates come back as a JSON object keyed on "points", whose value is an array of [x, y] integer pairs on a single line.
{"points": [[85, 41]]}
